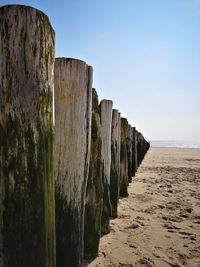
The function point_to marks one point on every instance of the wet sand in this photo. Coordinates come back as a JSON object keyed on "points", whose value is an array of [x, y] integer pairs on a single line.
{"points": [[159, 223]]}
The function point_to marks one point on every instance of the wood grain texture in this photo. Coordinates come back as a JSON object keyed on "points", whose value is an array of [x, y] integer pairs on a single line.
{"points": [[73, 109], [106, 120], [27, 226]]}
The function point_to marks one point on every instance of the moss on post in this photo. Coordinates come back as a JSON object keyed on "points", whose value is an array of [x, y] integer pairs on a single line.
{"points": [[27, 226], [123, 160], [94, 194], [115, 161], [73, 106]]}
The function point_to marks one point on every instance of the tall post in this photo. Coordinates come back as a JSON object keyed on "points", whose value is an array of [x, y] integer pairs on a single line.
{"points": [[134, 151], [27, 226], [124, 160], [129, 152], [106, 120], [115, 161], [139, 147], [94, 194], [73, 103], [137, 150]]}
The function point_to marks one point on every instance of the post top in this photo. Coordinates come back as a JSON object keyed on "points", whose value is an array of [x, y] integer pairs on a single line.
{"points": [[107, 101], [68, 59], [17, 7]]}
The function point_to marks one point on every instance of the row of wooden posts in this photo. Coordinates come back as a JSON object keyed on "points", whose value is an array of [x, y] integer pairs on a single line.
{"points": [[60, 176]]}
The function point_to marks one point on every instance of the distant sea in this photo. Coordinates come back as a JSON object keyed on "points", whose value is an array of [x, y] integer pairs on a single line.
{"points": [[178, 144]]}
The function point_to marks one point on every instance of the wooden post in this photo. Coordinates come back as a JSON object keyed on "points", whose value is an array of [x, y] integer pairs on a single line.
{"points": [[123, 159], [129, 152], [144, 146], [106, 120], [134, 151], [27, 232], [115, 161], [73, 103], [94, 194], [139, 147]]}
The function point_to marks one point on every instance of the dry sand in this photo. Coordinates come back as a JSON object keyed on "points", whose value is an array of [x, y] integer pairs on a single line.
{"points": [[159, 223]]}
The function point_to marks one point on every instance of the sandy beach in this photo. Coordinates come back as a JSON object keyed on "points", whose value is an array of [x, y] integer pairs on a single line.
{"points": [[159, 223]]}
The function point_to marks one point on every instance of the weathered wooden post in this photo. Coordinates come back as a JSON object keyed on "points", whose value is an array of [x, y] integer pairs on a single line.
{"points": [[94, 194], [147, 145], [139, 147], [27, 219], [106, 120], [144, 146], [134, 151], [129, 152], [137, 141], [115, 161], [123, 159], [73, 103]]}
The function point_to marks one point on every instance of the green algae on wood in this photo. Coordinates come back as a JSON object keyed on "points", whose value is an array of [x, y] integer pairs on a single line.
{"points": [[73, 109], [106, 120], [124, 181], [27, 219], [115, 161], [94, 193]]}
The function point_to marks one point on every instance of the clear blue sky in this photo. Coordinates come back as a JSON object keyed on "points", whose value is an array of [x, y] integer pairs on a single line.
{"points": [[145, 55]]}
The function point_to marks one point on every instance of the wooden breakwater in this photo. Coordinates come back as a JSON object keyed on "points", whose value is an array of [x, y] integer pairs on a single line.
{"points": [[59, 181]]}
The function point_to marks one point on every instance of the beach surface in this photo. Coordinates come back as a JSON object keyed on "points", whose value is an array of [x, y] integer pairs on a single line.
{"points": [[159, 223]]}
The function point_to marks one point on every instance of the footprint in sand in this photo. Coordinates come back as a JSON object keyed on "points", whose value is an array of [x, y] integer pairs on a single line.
{"points": [[187, 235], [124, 265], [182, 258], [132, 226], [196, 222], [172, 218], [132, 246], [184, 215], [140, 218], [147, 262], [160, 206], [123, 216], [170, 226]]}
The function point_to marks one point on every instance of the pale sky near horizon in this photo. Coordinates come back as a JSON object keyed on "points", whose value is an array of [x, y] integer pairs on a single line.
{"points": [[145, 55]]}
